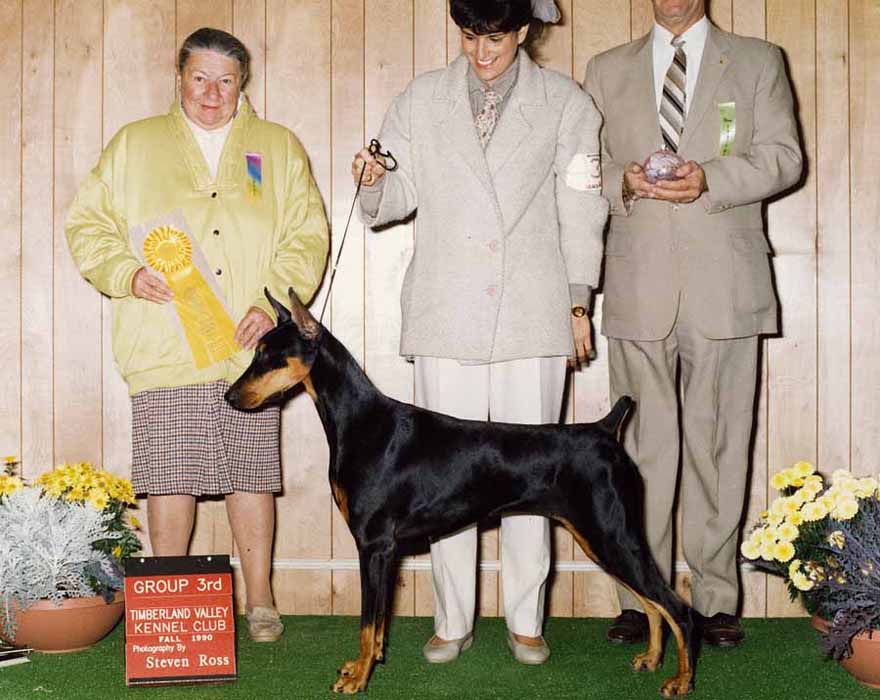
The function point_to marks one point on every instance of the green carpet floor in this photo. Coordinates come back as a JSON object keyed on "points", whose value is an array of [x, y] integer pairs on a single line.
{"points": [[780, 660]]}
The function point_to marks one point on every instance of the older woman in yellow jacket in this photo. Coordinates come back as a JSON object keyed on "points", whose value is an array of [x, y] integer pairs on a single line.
{"points": [[242, 208]]}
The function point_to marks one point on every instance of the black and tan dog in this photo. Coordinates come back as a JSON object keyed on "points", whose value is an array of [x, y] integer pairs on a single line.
{"points": [[401, 475]]}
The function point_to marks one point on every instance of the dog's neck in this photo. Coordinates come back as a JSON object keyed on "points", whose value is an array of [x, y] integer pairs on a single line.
{"points": [[345, 397]]}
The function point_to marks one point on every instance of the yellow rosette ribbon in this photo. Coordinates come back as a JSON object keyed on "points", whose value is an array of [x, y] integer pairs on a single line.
{"points": [[209, 330]]}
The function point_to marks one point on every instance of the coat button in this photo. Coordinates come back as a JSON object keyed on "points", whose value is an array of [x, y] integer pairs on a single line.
{"points": [[216, 232], [218, 272], [213, 195]]}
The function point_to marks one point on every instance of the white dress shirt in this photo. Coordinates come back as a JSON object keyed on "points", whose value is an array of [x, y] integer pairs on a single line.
{"points": [[664, 52]]}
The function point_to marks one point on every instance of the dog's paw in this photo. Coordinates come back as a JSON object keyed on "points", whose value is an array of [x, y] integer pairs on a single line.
{"points": [[350, 680], [645, 662], [677, 686]]}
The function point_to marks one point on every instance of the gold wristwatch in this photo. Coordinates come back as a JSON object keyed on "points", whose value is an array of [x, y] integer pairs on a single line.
{"points": [[578, 311]]}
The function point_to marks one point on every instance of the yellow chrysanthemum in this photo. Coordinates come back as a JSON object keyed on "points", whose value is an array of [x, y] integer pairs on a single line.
{"points": [[135, 523], [768, 536], [837, 539], [797, 482], [9, 484], [803, 469], [845, 510], [10, 460], [775, 520], [750, 550], [801, 582], [790, 506], [796, 519], [793, 567], [768, 550], [776, 508], [779, 480], [865, 487], [783, 551], [814, 511], [787, 532], [117, 551], [99, 499]]}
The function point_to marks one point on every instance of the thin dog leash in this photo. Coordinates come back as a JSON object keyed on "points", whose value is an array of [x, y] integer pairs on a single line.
{"points": [[375, 149]]}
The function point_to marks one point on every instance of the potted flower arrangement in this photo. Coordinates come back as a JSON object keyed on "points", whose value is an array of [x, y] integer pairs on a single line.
{"points": [[825, 541], [62, 542]]}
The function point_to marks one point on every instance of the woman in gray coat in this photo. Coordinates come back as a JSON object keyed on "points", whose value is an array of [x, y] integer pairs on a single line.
{"points": [[501, 159]]}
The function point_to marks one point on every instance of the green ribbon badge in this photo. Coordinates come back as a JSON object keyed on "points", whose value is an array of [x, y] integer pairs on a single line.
{"points": [[727, 112]]}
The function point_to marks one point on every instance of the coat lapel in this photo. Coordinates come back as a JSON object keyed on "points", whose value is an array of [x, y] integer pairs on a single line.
{"points": [[527, 99], [712, 68], [643, 118], [457, 133]]}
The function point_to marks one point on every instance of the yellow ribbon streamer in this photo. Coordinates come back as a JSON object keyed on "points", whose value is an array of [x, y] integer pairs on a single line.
{"points": [[209, 330]]}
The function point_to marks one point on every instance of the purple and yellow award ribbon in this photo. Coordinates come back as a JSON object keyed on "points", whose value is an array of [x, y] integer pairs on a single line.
{"points": [[209, 330], [255, 174]]}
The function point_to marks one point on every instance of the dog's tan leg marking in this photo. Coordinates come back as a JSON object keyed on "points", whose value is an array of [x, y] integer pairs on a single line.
{"points": [[680, 684], [672, 687], [354, 675], [650, 659], [309, 387], [341, 498], [580, 539], [380, 640]]}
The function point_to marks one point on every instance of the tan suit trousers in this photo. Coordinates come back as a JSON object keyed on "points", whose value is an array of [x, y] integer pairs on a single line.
{"points": [[718, 380]]}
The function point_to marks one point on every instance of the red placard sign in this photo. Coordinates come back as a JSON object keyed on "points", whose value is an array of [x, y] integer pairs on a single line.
{"points": [[179, 624]]}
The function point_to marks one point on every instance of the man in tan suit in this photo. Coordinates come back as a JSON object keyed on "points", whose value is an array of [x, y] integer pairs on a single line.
{"points": [[687, 278]]}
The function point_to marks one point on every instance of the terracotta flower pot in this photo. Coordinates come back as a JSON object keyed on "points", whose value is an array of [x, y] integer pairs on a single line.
{"points": [[74, 625], [864, 664]]}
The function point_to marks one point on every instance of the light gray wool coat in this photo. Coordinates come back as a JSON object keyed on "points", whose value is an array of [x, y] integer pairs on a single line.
{"points": [[506, 240]]}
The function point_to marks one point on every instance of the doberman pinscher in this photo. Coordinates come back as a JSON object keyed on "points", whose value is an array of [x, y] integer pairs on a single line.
{"points": [[401, 474]]}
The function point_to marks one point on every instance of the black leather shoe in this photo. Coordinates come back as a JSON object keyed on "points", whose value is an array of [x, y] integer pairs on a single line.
{"points": [[630, 627], [723, 630]]}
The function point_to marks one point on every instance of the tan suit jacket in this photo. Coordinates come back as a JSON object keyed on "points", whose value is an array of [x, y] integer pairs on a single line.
{"points": [[713, 249]]}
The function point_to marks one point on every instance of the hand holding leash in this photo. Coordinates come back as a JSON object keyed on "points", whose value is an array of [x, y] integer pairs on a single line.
{"points": [[370, 164], [377, 161]]}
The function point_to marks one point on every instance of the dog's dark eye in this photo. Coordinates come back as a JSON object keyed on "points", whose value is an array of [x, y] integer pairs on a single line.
{"points": [[261, 347]]}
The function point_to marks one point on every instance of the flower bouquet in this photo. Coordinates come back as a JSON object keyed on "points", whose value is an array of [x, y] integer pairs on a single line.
{"points": [[64, 536], [825, 541]]}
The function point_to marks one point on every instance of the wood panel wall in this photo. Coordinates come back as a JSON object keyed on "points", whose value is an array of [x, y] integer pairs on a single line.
{"points": [[76, 70]]}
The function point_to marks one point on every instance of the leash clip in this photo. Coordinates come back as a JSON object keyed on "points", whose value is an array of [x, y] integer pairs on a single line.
{"points": [[375, 149]]}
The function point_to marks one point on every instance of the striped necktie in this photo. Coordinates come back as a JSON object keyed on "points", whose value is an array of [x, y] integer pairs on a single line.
{"points": [[674, 100]]}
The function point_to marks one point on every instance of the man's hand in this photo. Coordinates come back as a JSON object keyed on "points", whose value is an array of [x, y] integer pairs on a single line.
{"points": [[583, 342], [146, 285], [255, 324], [685, 190], [635, 183]]}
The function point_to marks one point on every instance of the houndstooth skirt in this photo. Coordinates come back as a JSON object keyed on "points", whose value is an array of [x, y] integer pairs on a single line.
{"points": [[189, 440]]}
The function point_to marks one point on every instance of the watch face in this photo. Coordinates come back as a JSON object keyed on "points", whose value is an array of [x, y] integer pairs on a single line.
{"points": [[578, 311]]}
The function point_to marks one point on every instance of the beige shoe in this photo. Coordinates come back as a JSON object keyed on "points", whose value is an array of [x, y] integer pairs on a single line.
{"points": [[446, 651], [264, 624], [532, 655]]}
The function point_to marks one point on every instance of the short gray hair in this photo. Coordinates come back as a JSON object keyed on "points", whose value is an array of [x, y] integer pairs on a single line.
{"points": [[209, 39]]}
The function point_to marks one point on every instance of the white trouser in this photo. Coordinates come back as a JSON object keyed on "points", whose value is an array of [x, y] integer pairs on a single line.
{"points": [[517, 391]]}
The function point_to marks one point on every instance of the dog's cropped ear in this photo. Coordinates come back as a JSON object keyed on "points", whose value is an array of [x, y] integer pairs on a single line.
{"points": [[283, 314], [303, 320]]}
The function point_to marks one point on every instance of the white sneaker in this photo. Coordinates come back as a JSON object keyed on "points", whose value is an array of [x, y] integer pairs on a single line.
{"points": [[264, 624], [447, 651], [526, 653]]}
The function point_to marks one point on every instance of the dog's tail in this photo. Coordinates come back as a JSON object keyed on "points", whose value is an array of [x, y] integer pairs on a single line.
{"points": [[613, 423]]}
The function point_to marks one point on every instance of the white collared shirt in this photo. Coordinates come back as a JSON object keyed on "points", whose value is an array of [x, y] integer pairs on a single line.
{"points": [[694, 43]]}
